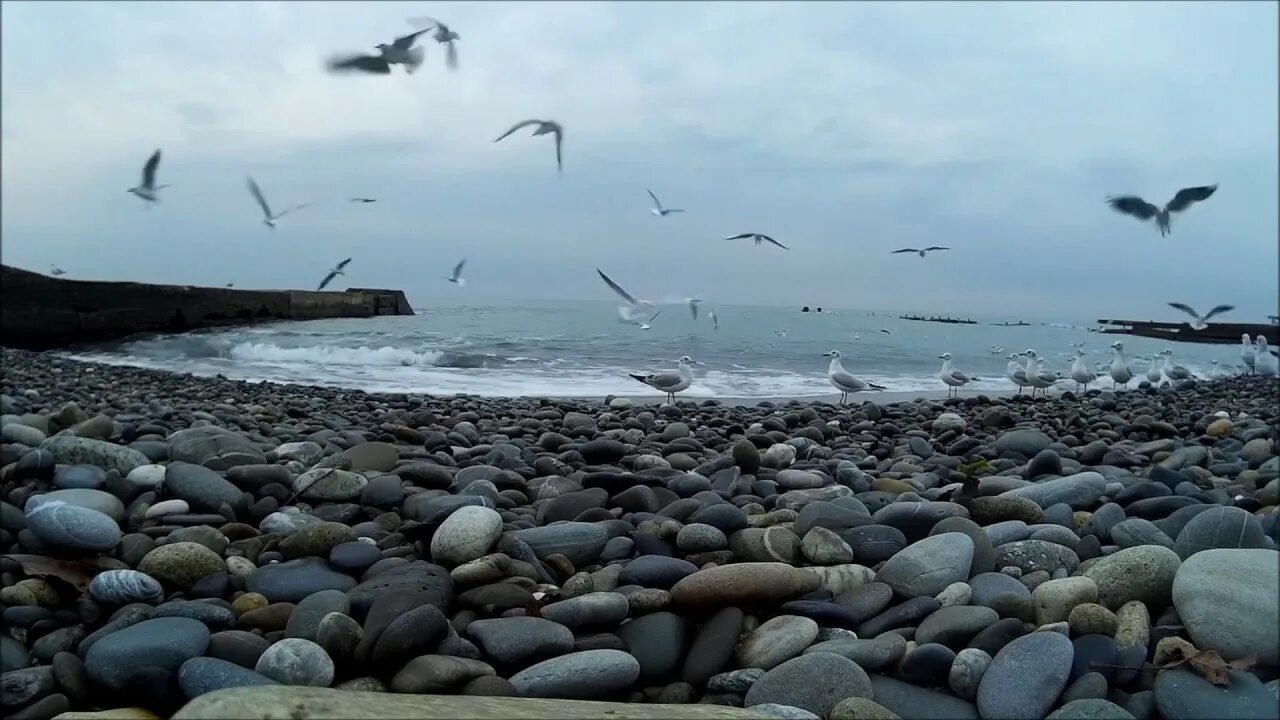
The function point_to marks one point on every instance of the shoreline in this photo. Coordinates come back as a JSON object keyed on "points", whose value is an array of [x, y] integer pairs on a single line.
{"points": [[916, 556]]}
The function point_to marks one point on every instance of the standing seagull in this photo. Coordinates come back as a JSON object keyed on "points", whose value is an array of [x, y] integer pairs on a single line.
{"points": [[920, 251], [670, 381], [456, 278], [631, 311], [1143, 210], [1201, 321], [1039, 378], [336, 271], [1120, 372], [843, 380], [657, 209], [147, 189], [55, 271], [269, 219], [1248, 353], [1175, 372], [442, 35], [544, 127], [951, 377], [758, 238], [1081, 373], [1017, 373], [1155, 372], [1265, 361]]}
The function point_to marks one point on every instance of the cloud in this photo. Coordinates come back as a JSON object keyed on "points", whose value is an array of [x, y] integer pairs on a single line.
{"points": [[846, 128]]}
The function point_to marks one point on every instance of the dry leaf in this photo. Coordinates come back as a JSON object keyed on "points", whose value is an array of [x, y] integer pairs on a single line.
{"points": [[1210, 666], [75, 574]]}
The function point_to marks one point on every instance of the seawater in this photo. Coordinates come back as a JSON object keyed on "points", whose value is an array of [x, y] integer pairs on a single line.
{"points": [[582, 349]]}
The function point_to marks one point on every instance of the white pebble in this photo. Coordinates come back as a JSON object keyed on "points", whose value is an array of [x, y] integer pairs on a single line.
{"points": [[168, 507]]}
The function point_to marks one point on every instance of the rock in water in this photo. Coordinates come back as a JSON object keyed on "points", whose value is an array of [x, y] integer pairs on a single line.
{"points": [[1227, 599], [578, 676]]}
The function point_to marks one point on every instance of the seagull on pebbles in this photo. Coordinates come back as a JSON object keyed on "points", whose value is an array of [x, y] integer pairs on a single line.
{"points": [[634, 309], [1016, 372], [442, 35], [1201, 321], [148, 189], [456, 278], [1175, 372], [335, 272], [843, 380], [269, 218], [951, 377], [1248, 353], [657, 210], [1039, 378], [920, 251], [670, 381], [1120, 372], [1081, 373], [1265, 362], [758, 238], [1143, 210], [1155, 372], [545, 127]]}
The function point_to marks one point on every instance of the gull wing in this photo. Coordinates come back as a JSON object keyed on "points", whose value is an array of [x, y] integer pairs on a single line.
{"points": [[404, 42], [1185, 197], [363, 63], [616, 288], [257, 195], [740, 236], [295, 207], [149, 170], [332, 274], [847, 380], [457, 269], [936, 247], [451, 55], [656, 202], [1133, 205], [1186, 309], [664, 379], [905, 250], [517, 126], [343, 264], [559, 133], [959, 376], [775, 242], [1218, 311]]}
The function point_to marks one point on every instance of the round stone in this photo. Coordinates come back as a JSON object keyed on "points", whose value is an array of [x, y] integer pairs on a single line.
{"points": [[814, 681], [121, 587], [181, 563], [296, 661]]}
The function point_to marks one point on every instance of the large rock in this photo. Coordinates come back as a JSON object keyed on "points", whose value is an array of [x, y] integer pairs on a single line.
{"points": [[417, 576], [1027, 443], [201, 487], [182, 563], [1220, 527], [70, 527], [161, 644], [816, 682], [201, 675], [330, 484], [1026, 677], [103, 502], [465, 535], [1143, 573], [743, 584], [580, 542], [1080, 491], [71, 450], [917, 703], [580, 675], [1228, 602], [213, 447], [928, 566], [291, 703], [1183, 695], [515, 639], [293, 580]]}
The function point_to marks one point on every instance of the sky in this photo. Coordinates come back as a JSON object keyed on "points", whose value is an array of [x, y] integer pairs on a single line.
{"points": [[844, 130]]}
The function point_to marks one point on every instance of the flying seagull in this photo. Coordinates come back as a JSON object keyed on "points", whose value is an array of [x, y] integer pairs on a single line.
{"points": [[758, 238], [693, 306], [55, 271], [269, 218], [402, 52], [920, 251], [1143, 210], [231, 285], [544, 127], [657, 209], [1201, 321], [715, 319], [364, 200], [456, 278], [670, 381], [336, 271], [442, 35], [147, 189], [631, 311], [372, 64], [648, 324], [886, 332]]}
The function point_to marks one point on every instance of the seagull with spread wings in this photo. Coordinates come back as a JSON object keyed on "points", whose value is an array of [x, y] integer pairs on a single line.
{"points": [[657, 210], [148, 189], [920, 251], [1143, 210], [335, 272], [456, 278], [634, 309], [1201, 322], [55, 271], [363, 200], [442, 35], [269, 218], [759, 238], [545, 127]]}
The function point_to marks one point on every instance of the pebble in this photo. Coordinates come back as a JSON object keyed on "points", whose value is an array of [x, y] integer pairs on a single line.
{"points": [[578, 676], [1025, 678], [814, 681], [1221, 595], [296, 661]]}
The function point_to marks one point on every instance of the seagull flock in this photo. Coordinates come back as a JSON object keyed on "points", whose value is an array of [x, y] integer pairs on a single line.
{"points": [[1025, 369]]}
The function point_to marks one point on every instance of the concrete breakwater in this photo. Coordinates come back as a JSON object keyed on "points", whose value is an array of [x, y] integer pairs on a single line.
{"points": [[38, 312]]}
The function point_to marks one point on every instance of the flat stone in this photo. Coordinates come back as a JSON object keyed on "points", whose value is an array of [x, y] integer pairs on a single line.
{"points": [[330, 484], [1032, 555], [1143, 573], [1183, 695], [202, 488], [295, 661], [1080, 491], [438, 674], [872, 654], [580, 542], [1052, 601], [1220, 527], [579, 675], [201, 675], [213, 447], [713, 646], [293, 580], [743, 584], [1227, 601], [71, 450], [121, 587], [516, 639], [955, 626], [928, 566], [1025, 677], [71, 527], [467, 534], [162, 644], [597, 608], [181, 563], [910, 701], [656, 571], [1090, 709], [776, 641], [658, 641]]}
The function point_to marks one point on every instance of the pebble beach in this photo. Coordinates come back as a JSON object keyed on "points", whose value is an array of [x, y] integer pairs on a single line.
{"points": [[1106, 555]]}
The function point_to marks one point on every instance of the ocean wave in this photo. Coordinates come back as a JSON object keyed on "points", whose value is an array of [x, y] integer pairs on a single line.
{"points": [[336, 355]]}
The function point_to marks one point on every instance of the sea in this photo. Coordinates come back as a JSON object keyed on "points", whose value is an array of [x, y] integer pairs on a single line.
{"points": [[584, 350]]}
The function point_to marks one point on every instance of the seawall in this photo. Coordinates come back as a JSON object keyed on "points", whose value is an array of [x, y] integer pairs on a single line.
{"points": [[38, 312]]}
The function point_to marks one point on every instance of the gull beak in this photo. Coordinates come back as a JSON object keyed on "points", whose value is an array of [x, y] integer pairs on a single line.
{"points": [[942, 357]]}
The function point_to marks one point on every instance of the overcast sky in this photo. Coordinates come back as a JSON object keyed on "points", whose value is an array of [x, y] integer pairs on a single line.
{"points": [[845, 130]]}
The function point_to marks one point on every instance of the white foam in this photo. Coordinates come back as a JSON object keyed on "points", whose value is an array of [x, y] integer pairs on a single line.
{"points": [[332, 355]]}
